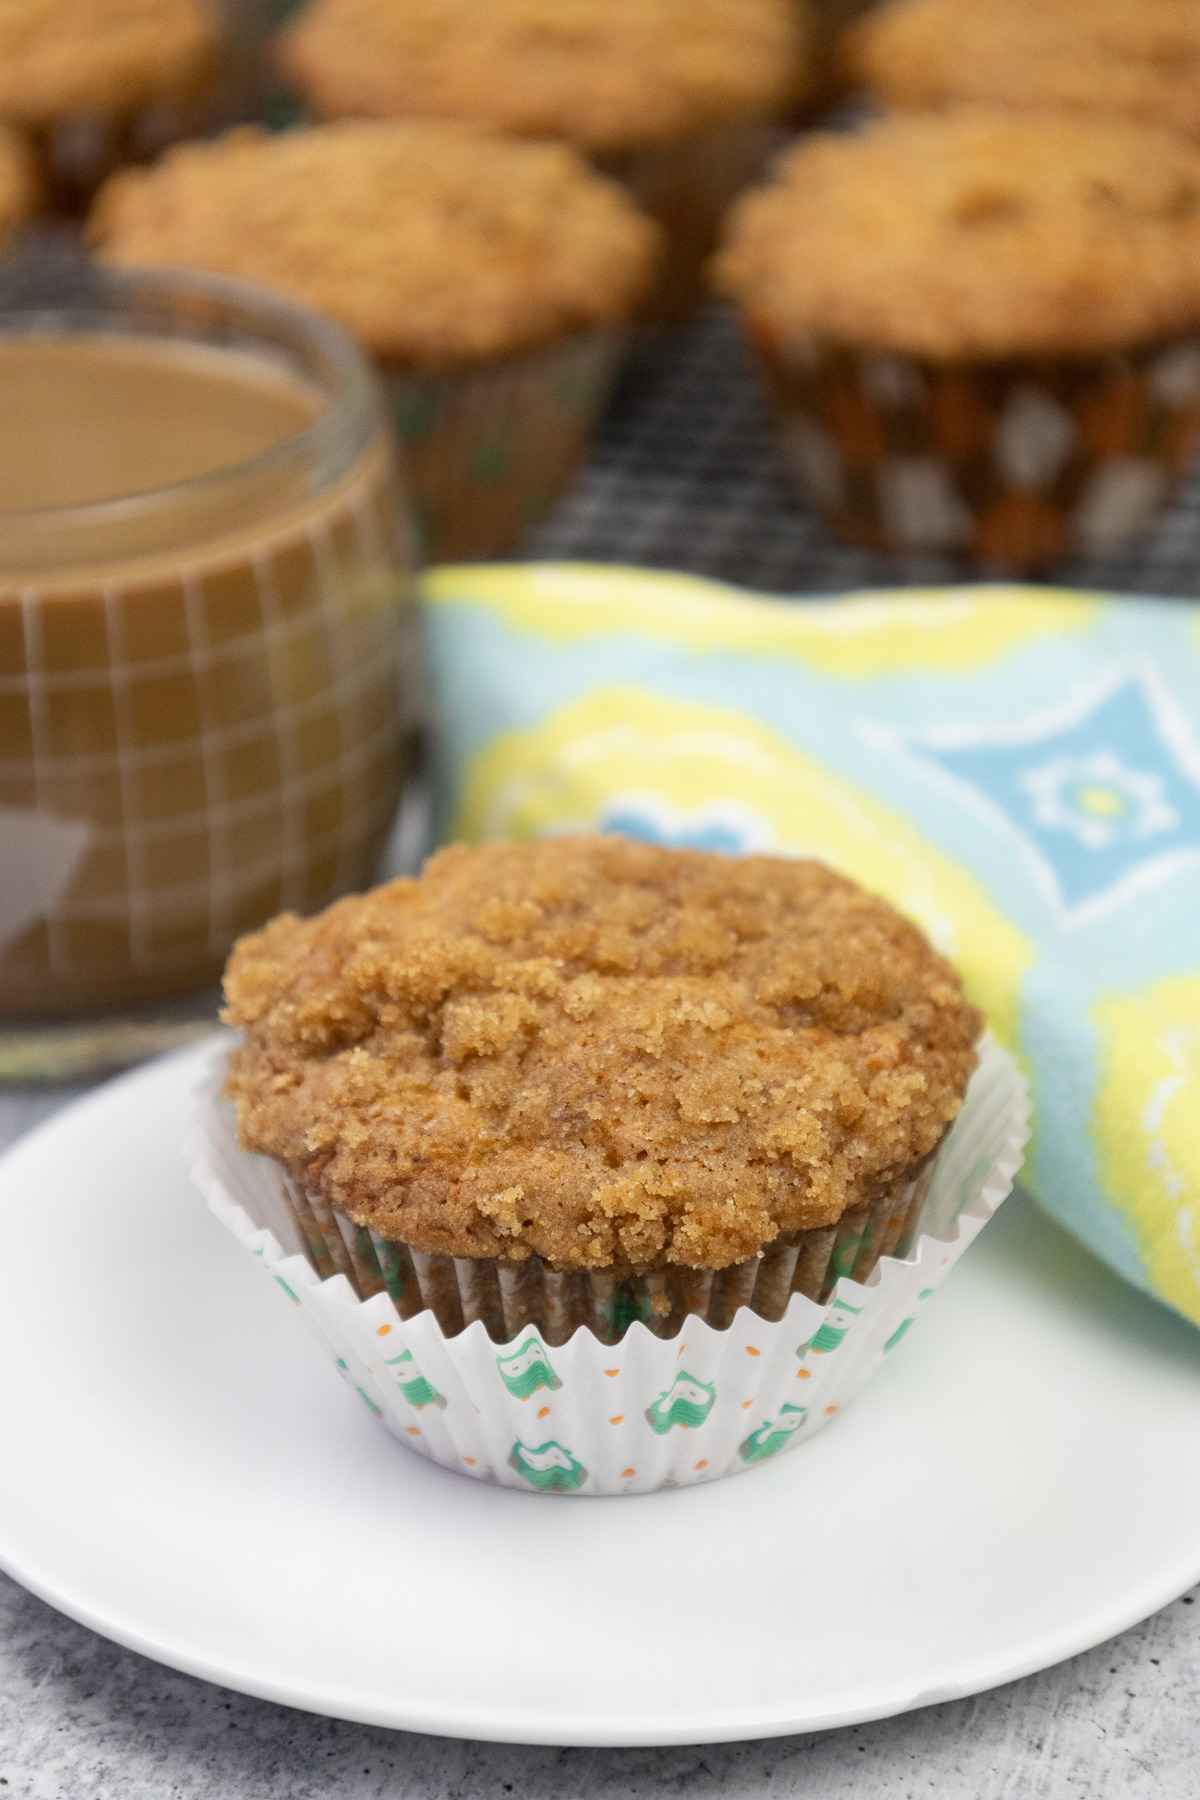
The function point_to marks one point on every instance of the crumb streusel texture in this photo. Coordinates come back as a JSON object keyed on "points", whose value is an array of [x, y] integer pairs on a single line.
{"points": [[613, 1055], [605, 74], [433, 241], [61, 58], [1140, 58], [974, 234]]}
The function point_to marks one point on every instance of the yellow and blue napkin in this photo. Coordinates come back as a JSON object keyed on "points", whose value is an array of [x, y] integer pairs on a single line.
{"points": [[1017, 769]]}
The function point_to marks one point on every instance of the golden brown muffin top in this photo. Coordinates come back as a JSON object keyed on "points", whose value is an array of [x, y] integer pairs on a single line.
{"points": [[974, 234], [59, 58], [610, 1054], [433, 241], [1140, 58], [605, 74], [18, 184]]}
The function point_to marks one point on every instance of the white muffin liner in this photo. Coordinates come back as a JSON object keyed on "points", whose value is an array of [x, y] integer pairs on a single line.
{"points": [[647, 1412], [1015, 462]]}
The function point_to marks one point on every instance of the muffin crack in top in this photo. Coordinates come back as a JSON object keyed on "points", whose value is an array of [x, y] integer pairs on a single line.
{"points": [[611, 1055]]}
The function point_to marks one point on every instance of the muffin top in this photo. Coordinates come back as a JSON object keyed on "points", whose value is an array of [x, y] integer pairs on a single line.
{"points": [[613, 1055], [62, 57], [433, 241], [18, 183], [974, 234], [606, 74], [1104, 56]]}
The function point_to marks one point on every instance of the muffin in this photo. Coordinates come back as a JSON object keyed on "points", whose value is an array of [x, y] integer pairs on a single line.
{"points": [[594, 1132], [981, 329], [488, 278], [95, 83], [1112, 57], [605, 1077], [675, 97], [18, 185]]}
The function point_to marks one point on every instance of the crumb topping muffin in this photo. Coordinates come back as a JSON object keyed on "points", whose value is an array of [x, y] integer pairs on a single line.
{"points": [[60, 58], [605, 74], [1101, 56], [18, 184], [972, 234], [433, 241], [612, 1055]]}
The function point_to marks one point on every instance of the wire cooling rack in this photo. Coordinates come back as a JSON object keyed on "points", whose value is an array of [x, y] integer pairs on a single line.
{"points": [[684, 475]]}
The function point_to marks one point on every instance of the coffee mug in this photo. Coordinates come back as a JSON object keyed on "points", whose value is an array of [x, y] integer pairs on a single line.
{"points": [[206, 602]]}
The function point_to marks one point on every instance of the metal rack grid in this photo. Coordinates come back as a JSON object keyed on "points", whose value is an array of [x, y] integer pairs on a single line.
{"points": [[684, 475]]}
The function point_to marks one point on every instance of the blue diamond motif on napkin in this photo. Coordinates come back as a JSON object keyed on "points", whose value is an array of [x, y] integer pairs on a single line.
{"points": [[1105, 796]]}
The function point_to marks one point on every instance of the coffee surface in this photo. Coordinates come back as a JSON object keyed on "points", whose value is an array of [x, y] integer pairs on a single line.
{"points": [[93, 418]]}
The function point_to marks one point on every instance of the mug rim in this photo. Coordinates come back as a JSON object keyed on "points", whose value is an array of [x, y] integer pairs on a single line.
{"points": [[65, 304]]}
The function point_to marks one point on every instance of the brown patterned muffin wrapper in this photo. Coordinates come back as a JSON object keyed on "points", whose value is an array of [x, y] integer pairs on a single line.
{"points": [[488, 450], [1016, 463], [507, 1297], [687, 187]]}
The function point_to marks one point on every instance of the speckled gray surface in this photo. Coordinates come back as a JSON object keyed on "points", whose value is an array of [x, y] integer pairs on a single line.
{"points": [[81, 1719]]}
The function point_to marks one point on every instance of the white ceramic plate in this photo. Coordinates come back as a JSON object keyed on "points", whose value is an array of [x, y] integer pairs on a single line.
{"points": [[1018, 1484]]}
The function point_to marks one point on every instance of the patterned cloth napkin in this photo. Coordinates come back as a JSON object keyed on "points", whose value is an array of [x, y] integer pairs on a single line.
{"points": [[1017, 769]]}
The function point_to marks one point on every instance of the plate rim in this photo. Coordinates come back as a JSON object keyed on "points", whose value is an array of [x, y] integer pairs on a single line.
{"points": [[515, 1728], [527, 1726]]}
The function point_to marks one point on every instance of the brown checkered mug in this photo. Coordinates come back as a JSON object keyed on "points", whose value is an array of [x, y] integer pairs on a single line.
{"points": [[205, 589]]}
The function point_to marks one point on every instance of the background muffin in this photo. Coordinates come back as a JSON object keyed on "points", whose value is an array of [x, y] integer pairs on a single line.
{"points": [[94, 83], [673, 96], [1140, 60], [981, 329], [488, 277]]}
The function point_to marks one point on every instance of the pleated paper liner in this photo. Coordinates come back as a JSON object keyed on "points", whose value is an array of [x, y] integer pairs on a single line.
{"points": [[636, 1404], [488, 450], [507, 1297], [1013, 463]]}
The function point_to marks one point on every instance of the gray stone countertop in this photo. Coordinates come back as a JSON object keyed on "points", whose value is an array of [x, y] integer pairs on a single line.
{"points": [[81, 1719]]}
